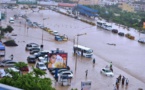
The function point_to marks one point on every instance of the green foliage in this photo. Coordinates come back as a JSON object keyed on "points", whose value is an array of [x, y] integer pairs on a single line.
{"points": [[20, 64], [128, 19], [10, 43], [37, 72], [5, 30], [28, 81]]}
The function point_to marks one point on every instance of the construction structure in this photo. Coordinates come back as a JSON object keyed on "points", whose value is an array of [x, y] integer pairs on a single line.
{"points": [[84, 10]]}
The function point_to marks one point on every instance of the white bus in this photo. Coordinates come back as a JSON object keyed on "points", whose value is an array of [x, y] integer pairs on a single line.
{"points": [[100, 23], [83, 51], [107, 26]]}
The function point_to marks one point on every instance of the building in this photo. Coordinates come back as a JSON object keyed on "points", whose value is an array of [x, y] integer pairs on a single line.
{"points": [[126, 7], [107, 2], [86, 2], [139, 6]]}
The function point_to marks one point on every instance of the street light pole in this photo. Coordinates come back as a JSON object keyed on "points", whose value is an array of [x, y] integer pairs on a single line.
{"points": [[77, 46], [42, 32]]}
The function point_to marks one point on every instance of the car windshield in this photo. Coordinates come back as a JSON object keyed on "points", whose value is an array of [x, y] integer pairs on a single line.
{"points": [[41, 65], [89, 51]]}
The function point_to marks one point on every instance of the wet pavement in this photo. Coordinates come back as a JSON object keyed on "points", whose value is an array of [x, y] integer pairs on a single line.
{"points": [[127, 56]]}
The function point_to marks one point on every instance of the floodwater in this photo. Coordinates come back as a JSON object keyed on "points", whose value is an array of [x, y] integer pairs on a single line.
{"points": [[128, 56]]}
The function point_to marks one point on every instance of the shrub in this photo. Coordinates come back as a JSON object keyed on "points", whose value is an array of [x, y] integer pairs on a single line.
{"points": [[10, 43]]}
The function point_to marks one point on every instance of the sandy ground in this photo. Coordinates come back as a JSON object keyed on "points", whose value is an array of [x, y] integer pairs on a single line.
{"points": [[127, 56]]}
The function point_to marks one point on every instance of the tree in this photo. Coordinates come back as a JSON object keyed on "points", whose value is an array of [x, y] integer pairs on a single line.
{"points": [[28, 81], [37, 72], [8, 29]]}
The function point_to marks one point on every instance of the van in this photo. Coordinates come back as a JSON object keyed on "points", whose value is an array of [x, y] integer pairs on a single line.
{"points": [[100, 23], [83, 51], [11, 20], [107, 26]]}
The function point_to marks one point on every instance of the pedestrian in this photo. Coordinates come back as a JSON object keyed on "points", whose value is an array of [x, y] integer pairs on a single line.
{"points": [[117, 86], [111, 69], [86, 73], [117, 81], [12, 56], [127, 81], [94, 61], [119, 77], [123, 79], [110, 64]]}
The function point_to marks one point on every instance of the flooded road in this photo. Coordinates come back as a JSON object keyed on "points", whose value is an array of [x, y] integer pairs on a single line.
{"points": [[128, 56]]}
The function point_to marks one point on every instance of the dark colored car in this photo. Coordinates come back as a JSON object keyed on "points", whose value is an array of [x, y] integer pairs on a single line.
{"points": [[58, 38], [114, 30], [141, 41], [35, 48], [121, 34], [3, 61], [31, 59], [34, 51]]}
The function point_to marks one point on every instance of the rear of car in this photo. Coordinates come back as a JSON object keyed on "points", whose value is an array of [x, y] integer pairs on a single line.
{"points": [[31, 59], [41, 66]]}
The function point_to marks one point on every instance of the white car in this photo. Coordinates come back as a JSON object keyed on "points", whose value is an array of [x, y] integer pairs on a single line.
{"points": [[41, 66], [107, 72], [66, 73], [4, 73], [55, 33], [42, 59]]}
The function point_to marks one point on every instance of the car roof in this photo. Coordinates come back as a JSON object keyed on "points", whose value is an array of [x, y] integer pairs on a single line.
{"points": [[32, 56]]}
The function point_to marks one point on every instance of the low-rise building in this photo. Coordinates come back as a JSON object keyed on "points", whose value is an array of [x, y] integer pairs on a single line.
{"points": [[126, 7], [139, 6]]}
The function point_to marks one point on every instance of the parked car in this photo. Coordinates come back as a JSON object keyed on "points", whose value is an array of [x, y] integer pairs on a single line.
{"points": [[107, 72], [31, 59], [35, 48], [41, 66], [8, 63], [68, 73], [3, 61], [121, 34], [34, 51], [59, 71], [141, 40], [41, 53], [31, 45], [58, 38], [114, 30], [43, 59], [54, 33]]}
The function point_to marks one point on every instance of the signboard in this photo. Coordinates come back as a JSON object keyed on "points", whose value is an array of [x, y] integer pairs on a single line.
{"points": [[143, 24], [86, 85], [26, 1], [57, 60]]}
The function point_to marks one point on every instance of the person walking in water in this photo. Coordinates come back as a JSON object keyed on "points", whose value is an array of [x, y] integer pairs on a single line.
{"points": [[94, 61], [86, 73], [12, 56]]}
